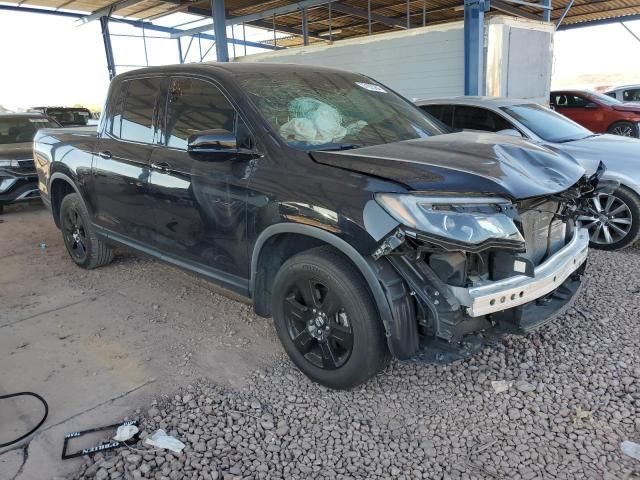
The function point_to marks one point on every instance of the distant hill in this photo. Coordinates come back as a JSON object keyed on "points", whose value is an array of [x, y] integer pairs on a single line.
{"points": [[596, 81]]}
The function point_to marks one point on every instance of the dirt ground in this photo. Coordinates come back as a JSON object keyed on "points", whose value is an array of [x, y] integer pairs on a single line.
{"points": [[96, 343], [135, 338]]}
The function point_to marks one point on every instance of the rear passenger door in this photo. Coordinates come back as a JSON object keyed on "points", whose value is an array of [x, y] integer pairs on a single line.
{"points": [[201, 203], [121, 168]]}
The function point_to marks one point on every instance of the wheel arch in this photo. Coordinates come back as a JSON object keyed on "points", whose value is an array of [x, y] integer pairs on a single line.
{"points": [[60, 185], [310, 237]]}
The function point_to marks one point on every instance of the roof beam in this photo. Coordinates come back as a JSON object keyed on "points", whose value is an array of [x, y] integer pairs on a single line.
{"points": [[108, 10], [603, 21], [633, 34], [283, 29], [260, 24], [564, 13], [252, 17], [511, 10], [375, 17], [134, 23]]}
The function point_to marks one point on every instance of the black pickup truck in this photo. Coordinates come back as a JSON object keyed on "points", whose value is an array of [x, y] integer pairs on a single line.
{"points": [[345, 213]]}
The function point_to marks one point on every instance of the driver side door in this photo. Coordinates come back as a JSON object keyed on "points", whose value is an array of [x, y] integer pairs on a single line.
{"points": [[200, 201]]}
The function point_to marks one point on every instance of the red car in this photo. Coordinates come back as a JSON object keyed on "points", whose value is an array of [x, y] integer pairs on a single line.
{"points": [[597, 112]]}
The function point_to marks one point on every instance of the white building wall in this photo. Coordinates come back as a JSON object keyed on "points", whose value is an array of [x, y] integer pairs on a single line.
{"points": [[428, 62], [417, 63]]}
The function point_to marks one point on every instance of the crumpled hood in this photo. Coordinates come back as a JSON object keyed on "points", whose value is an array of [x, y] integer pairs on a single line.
{"points": [[16, 151], [465, 162]]}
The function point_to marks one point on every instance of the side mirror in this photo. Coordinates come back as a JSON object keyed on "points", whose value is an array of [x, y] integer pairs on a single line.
{"points": [[512, 132], [217, 145], [591, 106], [212, 141]]}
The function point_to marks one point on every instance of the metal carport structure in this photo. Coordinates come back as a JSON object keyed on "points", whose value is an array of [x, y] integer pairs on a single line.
{"points": [[310, 21]]}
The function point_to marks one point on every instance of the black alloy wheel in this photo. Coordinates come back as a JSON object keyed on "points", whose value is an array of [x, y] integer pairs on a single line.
{"points": [[74, 233], [327, 320], [318, 324], [84, 247]]}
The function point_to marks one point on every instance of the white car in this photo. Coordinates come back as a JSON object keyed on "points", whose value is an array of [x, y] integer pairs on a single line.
{"points": [[627, 93], [614, 222]]}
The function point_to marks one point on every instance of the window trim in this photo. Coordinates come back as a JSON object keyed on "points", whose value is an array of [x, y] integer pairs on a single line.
{"points": [[162, 140], [108, 131]]}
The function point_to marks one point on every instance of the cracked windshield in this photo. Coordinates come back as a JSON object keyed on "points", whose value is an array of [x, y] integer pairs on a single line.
{"points": [[326, 110]]}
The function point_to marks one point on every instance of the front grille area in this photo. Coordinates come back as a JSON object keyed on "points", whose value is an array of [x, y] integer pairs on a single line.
{"points": [[541, 230]]}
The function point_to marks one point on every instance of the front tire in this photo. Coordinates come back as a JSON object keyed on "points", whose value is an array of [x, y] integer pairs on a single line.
{"points": [[623, 129], [614, 222], [326, 319], [83, 245]]}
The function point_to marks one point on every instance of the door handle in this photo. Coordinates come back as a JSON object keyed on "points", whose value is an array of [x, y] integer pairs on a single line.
{"points": [[105, 154], [160, 165]]}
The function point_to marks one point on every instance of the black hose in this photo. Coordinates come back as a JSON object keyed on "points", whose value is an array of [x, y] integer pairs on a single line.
{"points": [[46, 412]]}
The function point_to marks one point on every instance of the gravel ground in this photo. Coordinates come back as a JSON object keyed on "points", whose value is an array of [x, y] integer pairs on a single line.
{"points": [[573, 397]]}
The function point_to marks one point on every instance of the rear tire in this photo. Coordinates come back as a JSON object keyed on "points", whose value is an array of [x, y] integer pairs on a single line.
{"points": [[83, 245], [623, 129], [326, 319]]}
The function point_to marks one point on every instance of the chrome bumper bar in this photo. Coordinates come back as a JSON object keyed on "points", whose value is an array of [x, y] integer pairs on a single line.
{"points": [[513, 291]]}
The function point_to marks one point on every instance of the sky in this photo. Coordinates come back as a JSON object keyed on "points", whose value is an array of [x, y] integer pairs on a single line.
{"points": [[48, 60]]}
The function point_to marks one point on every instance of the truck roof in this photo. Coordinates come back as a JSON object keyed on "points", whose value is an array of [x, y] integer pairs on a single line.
{"points": [[229, 68]]}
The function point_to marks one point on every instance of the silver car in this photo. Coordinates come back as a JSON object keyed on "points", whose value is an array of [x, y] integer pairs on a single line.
{"points": [[627, 93], [614, 221]]}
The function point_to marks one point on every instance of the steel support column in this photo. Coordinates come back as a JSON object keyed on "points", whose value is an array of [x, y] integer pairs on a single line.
{"points": [[474, 46], [108, 50], [305, 27], [180, 50], [220, 30], [546, 13]]}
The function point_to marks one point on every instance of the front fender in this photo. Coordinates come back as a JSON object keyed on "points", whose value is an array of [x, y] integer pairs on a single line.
{"points": [[389, 292]]}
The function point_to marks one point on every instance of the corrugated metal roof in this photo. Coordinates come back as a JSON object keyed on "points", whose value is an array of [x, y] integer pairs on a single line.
{"points": [[343, 25]]}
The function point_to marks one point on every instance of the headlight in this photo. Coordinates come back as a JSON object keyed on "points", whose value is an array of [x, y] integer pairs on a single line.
{"points": [[464, 219]]}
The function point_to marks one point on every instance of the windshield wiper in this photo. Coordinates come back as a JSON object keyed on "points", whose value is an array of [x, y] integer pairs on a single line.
{"points": [[339, 146]]}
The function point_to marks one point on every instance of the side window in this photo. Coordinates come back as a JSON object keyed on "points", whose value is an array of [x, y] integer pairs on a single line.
{"points": [[475, 118], [138, 103], [434, 110], [559, 100], [632, 95], [611, 94], [575, 101], [444, 113], [195, 105]]}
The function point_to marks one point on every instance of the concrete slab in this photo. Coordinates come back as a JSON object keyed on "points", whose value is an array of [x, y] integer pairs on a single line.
{"points": [[97, 343]]}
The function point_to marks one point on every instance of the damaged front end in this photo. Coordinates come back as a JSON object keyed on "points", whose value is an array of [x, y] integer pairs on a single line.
{"points": [[478, 267]]}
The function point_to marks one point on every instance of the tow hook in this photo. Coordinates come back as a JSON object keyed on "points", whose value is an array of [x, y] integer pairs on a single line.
{"points": [[389, 244]]}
